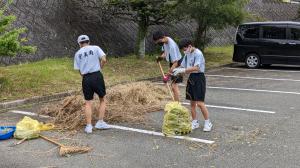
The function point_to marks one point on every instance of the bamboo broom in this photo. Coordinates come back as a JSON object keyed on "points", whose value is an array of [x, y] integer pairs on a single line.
{"points": [[64, 150]]}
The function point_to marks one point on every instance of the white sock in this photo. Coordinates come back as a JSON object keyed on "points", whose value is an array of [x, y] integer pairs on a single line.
{"points": [[100, 121], [195, 121], [206, 121], [89, 125]]}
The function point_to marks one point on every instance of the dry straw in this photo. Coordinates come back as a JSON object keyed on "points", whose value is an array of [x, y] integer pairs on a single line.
{"points": [[125, 103]]}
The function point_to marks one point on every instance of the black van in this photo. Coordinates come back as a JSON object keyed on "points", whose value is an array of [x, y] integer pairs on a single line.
{"points": [[266, 43]]}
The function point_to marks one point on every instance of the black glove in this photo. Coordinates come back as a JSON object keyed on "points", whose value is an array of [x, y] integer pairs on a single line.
{"points": [[158, 59]]}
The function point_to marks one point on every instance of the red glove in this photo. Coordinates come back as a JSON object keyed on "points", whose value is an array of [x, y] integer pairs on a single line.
{"points": [[166, 78]]}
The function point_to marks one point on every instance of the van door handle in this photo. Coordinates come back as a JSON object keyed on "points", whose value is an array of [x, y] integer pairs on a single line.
{"points": [[292, 43]]}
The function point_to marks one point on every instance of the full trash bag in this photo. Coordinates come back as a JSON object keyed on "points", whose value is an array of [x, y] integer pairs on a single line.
{"points": [[30, 129], [177, 120]]}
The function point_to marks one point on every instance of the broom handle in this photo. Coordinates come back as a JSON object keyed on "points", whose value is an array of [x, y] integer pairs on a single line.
{"points": [[162, 72], [51, 140]]}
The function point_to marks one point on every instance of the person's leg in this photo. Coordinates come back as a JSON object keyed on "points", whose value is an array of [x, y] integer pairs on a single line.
{"points": [[193, 110], [88, 111], [203, 109], [88, 115], [207, 124], [195, 123], [101, 124], [102, 108], [175, 90]]}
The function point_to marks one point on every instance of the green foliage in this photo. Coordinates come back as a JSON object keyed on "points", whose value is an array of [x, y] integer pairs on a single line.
{"points": [[145, 13], [10, 40], [149, 12], [215, 14]]}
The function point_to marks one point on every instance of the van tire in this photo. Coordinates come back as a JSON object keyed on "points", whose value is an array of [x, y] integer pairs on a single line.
{"points": [[252, 61]]}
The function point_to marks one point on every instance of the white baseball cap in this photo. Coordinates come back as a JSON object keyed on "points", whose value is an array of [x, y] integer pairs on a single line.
{"points": [[82, 38]]}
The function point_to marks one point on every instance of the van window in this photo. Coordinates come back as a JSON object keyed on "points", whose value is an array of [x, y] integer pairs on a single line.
{"points": [[272, 32], [249, 31], [295, 34]]}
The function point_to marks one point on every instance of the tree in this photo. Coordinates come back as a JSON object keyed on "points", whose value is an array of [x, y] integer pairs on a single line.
{"points": [[10, 40], [145, 13], [215, 14]]}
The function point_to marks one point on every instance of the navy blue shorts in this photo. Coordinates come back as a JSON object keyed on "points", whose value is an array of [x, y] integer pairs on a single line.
{"points": [[196, 87], [93, 83]]}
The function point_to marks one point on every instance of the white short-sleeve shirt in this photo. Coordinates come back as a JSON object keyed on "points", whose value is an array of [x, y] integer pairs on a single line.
{"points": [[87, 59], [172, 51], [193, 59]]}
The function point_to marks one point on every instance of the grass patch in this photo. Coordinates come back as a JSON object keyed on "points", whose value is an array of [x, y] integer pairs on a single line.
{"points": [[57, 75], [217, 56]]}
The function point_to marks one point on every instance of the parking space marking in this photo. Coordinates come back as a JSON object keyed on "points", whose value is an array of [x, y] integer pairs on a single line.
{"points": [[130, 129], [236, 108], [241, 77], [264, 70], [28, 113], [254, 90], [243, 89], [161, 134]]}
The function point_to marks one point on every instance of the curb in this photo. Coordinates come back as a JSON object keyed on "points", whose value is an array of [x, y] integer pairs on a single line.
{"points": [[60, 96], [33, 100]]}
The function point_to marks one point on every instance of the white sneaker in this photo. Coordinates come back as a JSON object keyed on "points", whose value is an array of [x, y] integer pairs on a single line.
{"points": [[207, 126], [102, 125], [195, 124], [88, 129]]}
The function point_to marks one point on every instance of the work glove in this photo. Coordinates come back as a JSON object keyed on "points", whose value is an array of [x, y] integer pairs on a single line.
{"points": [[177, 71], [158, 59], [166, 78]]}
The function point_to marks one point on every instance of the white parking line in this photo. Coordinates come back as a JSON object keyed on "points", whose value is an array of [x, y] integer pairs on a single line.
{"points": [[263, 70], [28, 113], [242, 89], [235, 108], [161, 134], [254, 90], [129, 129], [240, 77]]}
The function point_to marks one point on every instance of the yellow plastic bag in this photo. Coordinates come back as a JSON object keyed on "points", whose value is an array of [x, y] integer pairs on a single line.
{"points": [[177, 120], [30, 129]]}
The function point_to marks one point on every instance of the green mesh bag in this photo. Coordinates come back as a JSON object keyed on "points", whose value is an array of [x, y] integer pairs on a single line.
{"points": [[177, 120]]}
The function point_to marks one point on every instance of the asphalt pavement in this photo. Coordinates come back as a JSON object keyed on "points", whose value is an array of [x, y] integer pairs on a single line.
{"points": [[256, 124]]}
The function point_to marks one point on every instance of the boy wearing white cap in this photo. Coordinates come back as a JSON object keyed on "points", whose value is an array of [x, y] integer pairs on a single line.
{"points": [[89, 60]]}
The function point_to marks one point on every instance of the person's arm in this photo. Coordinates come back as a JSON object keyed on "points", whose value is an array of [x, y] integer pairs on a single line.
{"points": [[102, 57], [175, 64], [103, 61], [76, 65], [80, 73], [192, 69]]}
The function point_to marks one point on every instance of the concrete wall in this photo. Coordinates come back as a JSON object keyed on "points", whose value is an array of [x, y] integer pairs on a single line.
{"points": [[53, 26]]}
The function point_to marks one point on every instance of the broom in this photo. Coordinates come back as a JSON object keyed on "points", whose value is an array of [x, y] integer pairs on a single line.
{"points": [[64, 150], [168, 86]]}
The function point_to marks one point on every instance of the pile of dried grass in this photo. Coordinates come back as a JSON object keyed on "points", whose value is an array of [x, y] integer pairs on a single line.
{"points": [[125, 103]]}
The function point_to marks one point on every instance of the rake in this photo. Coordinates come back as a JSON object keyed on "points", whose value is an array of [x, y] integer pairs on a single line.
{"points": [[64, 150], [168, 86]]}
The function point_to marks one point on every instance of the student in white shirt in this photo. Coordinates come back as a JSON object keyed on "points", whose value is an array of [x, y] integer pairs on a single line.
{"points": [[171, 53], [89, 60], [193, 64]]}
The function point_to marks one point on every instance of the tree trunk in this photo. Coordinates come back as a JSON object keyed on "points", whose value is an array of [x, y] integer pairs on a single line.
{"points": [[140, 47], [200, 40]]}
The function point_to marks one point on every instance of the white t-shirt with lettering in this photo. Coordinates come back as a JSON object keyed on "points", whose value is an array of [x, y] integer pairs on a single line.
{"points": [[87, 59]]}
